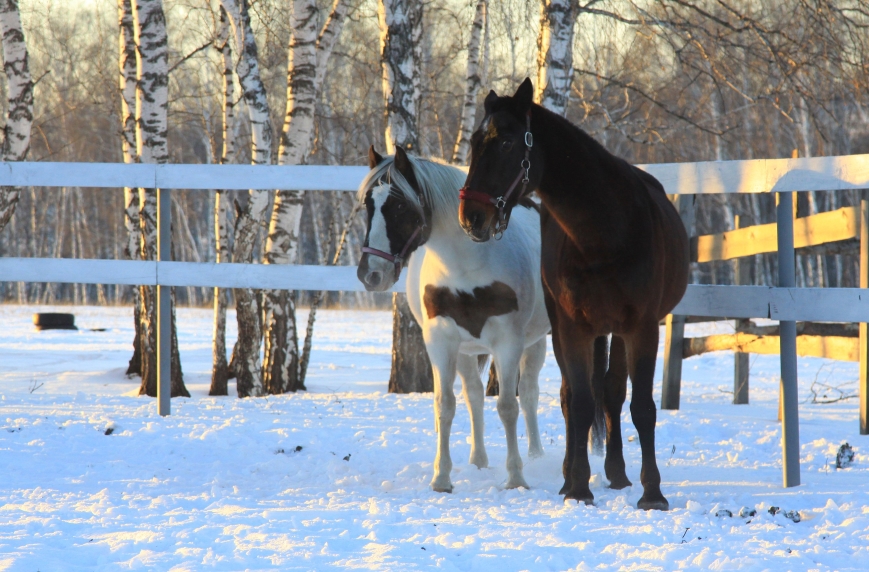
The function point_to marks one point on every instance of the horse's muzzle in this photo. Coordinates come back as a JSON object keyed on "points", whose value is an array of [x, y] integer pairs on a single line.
{"points": [[476, 219]]}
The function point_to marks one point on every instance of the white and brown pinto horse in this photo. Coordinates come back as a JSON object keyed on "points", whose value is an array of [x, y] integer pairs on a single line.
{"points": [[470, 298]]}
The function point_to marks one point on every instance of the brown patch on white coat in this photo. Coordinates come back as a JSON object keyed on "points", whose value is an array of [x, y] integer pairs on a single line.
{"points": [[470, 310]]}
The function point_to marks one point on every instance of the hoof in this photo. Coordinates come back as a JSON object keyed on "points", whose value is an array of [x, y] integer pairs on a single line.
{"points": [[656, 502], [535, 453], [441, 486], [479, 461], [619, 483], [586, 498], [516, 483]]}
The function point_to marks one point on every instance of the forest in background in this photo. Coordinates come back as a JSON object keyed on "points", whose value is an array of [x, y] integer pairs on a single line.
{"points": [[654, 81]]}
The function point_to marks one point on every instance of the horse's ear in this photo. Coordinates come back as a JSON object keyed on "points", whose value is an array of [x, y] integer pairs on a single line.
{"points": [[402, 164], [490, 101], [524, 96], [374, 158]]}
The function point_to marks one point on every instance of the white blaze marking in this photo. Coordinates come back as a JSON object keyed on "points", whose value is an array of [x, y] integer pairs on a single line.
{"points": [[377, 237]]}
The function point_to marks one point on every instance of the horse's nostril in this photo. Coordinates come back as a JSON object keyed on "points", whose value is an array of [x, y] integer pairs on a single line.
{"points": [[373, 278], [476, 221]]}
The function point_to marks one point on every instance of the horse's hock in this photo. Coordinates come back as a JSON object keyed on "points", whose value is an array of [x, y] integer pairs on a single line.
{"points": [[833, 232]]}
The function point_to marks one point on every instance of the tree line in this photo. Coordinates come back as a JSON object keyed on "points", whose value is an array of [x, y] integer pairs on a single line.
{"points": [[319, 81]]}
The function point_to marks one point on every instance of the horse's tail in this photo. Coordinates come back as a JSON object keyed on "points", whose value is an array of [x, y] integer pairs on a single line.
{"points": [[482, 362], [598, 426]]}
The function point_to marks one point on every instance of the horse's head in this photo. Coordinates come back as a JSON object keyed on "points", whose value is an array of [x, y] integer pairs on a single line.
{"points": [[501, 171], [397, 216]]}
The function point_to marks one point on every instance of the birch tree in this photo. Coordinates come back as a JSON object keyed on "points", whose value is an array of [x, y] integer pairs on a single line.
{"points": [[555, 53], [219, 373], [19, 101], [308, 56], [472, 86], [152, 102], [127, 86], [248, 372], [400, 43]]}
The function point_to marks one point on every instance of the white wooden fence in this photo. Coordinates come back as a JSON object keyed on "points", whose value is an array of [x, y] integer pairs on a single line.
{"points": [[783, 176]]}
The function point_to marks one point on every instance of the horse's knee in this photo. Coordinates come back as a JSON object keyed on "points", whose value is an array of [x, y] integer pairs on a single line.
{"points": [[508, 407]]}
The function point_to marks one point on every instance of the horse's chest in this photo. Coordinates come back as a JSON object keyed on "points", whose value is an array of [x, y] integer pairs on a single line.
{"points": [[470, 310]]}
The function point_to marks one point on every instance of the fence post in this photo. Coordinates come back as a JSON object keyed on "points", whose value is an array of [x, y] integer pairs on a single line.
{"points": [[863, 391], [164, 308], [740, 359], [674, 331], [788, 344]]}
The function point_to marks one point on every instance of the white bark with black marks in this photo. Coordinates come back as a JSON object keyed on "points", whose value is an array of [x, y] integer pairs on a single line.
{"points": [[308, 55], [400, 60], [252, 218], [472, 86], [555, 53], [219, 370], [127, 86], [152, 104], [19, 101]]}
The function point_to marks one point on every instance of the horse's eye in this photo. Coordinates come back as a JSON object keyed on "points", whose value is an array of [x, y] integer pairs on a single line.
{"points": [[506, 146], [400, 207]]}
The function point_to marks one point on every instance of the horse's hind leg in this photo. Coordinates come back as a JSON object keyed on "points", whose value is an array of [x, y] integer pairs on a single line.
{"points": [[529, 393], [472, 389], [615, 388], [578, 408], [442, 350], [642, 351], [507, 365]]}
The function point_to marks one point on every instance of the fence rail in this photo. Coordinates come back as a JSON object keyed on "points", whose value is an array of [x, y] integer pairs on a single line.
{"points": [[781, 176]]}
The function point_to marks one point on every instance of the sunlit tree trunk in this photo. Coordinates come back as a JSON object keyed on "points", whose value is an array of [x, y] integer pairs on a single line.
{"points": [[400, 35], [127, 87], [555, 53], [472, 86], [248, 371], [152, 103], [219, 373], [19, 100], [308, 52]]}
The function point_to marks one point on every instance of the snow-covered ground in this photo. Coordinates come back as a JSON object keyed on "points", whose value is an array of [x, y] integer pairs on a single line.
{"points": [[337, 477]]}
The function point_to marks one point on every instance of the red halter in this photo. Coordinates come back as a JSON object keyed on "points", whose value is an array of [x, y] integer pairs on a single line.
{"points": [[396, 259], [466, 194]]}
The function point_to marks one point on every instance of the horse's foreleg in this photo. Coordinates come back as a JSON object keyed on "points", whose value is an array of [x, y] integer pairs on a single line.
{"points": [[507, 366], [529, 393], [442, 351], [472, 389], [578, 408], [642, 351], [615, 388]]}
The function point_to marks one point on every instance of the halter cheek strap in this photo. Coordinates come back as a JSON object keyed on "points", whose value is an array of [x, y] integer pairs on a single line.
{"points": [[500, 203], [396, 259]]}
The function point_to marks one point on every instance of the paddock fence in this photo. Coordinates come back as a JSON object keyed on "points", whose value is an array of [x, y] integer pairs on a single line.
{"points": [[784, 302]]}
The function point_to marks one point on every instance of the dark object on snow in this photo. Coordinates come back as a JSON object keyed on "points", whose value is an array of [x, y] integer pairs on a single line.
{"points": [[845, 456], [347, 458], [298, 448], [110, 430], [793, 515], [774, 510], [746, 512], [723, 512], [54, 321]]}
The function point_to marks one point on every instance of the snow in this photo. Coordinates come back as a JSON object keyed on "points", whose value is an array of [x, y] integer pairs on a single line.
{"points": [[337, 477]]}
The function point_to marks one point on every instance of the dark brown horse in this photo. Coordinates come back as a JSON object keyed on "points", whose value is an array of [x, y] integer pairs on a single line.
{"points": [[614, 261]]}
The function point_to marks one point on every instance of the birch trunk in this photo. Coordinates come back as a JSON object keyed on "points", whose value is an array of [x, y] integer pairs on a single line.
{"points": [[472, 86], [219, 369], [400, 35], [19, 101], [152, 102], [127, 87], [248, 372], [555, 53], [308, 56]]}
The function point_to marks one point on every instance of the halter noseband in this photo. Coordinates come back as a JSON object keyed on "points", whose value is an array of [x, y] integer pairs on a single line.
{"points": [[500, 203], [396, 259]]}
